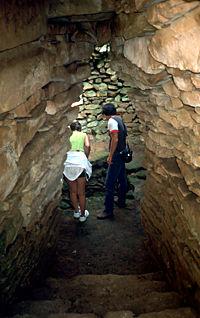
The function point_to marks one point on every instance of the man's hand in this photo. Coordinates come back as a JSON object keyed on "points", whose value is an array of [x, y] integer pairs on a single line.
{"points": [[109, 160]]}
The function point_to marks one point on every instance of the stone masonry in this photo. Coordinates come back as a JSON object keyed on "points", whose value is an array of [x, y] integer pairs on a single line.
{"points": [[103, 86], [44, 54], [156, 47]]}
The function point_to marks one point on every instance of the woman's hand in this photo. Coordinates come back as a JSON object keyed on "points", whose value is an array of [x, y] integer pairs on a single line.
{"points": [[87, 146]]}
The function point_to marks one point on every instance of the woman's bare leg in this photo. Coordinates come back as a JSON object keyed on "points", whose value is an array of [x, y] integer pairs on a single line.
{"points": [[73, 189], [81, 193]]}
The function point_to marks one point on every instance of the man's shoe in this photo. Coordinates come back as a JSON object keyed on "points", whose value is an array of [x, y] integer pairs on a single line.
{"points": [[103, 215], [120, 205]]}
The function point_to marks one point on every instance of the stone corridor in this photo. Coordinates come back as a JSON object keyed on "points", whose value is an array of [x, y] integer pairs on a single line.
{"points": [[102, 268], [154, 77]]}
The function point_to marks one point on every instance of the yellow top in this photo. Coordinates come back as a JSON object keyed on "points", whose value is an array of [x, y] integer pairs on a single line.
{"points": [[77, 140]]}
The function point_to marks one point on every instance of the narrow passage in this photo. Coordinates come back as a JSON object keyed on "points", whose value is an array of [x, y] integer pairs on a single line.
{"points": [[102, 268], [104, 246]]}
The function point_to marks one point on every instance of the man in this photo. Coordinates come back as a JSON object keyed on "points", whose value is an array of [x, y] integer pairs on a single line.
{"points": [[116, 166]]}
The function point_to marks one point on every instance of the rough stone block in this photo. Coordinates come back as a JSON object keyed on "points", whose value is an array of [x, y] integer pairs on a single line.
{"points": [[67, 8], [21, 22], [119, 314], [170, 45]]}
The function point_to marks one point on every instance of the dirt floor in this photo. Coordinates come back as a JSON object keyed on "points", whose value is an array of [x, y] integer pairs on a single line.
{"points": [[111, 246], [104, 246]]}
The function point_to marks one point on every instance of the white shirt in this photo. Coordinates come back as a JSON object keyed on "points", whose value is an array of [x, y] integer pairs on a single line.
{"points": [[113, 125]]}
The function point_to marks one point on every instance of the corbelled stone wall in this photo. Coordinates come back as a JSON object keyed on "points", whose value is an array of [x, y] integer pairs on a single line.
{"points": [[42, 69], [44, 54], [103, 86], [156, 49]]}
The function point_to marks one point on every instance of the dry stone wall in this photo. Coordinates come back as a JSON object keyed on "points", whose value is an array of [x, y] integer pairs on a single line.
{"points": [[42, 69], [103, 86], [156, 49]]}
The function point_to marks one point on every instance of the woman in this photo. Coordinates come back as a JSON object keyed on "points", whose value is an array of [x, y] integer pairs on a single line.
{"points": [[77, 169]]}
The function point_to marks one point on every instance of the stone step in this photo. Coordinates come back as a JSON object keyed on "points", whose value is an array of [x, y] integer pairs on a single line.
{"points": [[40, 307], [100, 304], [169, 313], [58, 315], [48, 291], [102, 285], [152, 276], [103, 293], [120, 314], [73, 315]]}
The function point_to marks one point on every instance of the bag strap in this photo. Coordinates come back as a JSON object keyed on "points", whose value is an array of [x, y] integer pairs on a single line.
{"points": [[121, 121]]}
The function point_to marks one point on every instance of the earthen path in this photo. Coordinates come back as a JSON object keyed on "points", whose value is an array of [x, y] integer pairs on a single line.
{"points": [[102, 246]]}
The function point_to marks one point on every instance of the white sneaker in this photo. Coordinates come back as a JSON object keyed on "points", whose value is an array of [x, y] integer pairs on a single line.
{"points": [[84, 217], [77, 214]]}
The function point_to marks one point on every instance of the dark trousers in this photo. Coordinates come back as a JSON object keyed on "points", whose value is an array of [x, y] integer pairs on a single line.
{"points": [[116, 173]]}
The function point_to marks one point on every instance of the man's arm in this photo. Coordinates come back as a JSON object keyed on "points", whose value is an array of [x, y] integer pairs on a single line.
{"points": [[113, 146]]}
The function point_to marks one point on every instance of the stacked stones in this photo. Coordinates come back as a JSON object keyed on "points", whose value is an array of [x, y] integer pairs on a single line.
{"points": [[103, 86], [157, 50], [40, 77]]}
